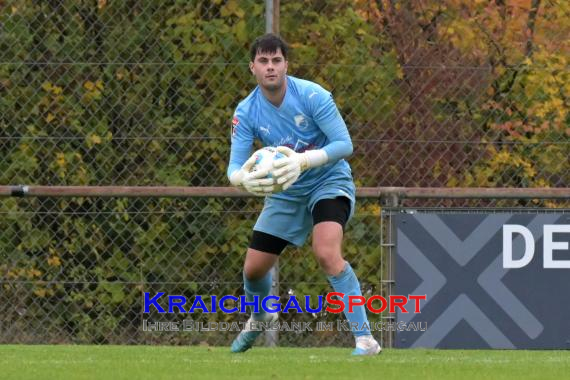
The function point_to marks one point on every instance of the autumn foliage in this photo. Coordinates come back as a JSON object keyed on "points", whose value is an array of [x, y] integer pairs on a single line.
{"points": [[435, 93]]}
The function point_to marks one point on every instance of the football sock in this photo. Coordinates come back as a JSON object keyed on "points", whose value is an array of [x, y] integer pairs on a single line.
{"points": [[261, 288], [347, 283]]}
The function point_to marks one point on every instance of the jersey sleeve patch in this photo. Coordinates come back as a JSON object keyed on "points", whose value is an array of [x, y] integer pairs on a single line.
{"points": [[235, 123]]}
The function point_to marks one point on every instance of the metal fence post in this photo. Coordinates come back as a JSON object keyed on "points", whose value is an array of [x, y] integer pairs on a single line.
{"points": [[389, 203], [272, 26], [272, 16], [272, 336]]}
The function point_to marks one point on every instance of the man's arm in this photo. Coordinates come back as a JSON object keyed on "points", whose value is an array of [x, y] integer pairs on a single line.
{"points": [[241, 162], [241, 143], [329, 120]]}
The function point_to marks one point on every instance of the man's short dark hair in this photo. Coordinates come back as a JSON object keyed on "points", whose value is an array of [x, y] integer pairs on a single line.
{"points": [[268, 43]]}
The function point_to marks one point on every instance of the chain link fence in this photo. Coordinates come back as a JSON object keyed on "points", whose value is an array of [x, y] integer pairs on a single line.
{"points": [[132, 92]]}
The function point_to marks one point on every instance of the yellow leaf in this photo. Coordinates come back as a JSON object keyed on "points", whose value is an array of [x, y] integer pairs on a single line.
{"points": [[54, 261], [46, 86], [95, 139], [541, 112], [240, 29], [34, 273], [228, 9], [89, 86], [400, 73], [557, 103], [60, 159], [50, 117]]}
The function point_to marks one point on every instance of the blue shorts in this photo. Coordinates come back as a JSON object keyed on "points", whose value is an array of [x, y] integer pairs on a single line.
{"points": [[290, 218]]}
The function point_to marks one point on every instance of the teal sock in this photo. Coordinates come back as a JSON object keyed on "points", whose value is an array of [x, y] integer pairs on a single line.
{"points": [[260, 288], [347, 283]]}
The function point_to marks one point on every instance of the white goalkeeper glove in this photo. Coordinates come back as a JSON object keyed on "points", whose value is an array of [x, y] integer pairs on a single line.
{"points": [[254, 182], [288, 169]]}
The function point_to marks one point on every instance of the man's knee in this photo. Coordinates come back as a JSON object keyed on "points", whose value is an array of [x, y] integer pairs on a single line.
{"points": [[253, 273], [257, 264], [329, 257], [327, 240], [325, 250]]}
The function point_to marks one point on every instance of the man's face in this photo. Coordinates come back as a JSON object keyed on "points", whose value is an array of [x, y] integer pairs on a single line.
{"points": [[269, 69]]}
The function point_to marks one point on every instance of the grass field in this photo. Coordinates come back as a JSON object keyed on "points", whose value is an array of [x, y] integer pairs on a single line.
{"points": [[146, 362]]}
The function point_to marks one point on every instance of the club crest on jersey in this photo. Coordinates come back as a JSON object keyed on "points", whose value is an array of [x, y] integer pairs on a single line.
{"points": [[235, 123], [300, 121], [265, 130]]}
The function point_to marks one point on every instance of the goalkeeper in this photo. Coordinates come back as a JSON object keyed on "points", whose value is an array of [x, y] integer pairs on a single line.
{"points": [[301, 119]]}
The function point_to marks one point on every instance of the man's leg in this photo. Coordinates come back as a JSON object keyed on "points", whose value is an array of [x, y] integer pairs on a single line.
{"points": [[257, 282], [330, 216], [281, 222], [257, 278]]}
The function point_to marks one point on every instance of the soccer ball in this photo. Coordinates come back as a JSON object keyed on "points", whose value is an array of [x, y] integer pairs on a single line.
{"points": [[264, 158]]}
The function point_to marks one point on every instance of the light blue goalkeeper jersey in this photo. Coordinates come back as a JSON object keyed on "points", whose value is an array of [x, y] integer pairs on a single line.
{"points": [[306, 119]]}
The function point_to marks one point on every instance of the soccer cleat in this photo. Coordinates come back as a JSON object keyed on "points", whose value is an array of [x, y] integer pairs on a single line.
{"points": [[249, 334], [366, 345]]}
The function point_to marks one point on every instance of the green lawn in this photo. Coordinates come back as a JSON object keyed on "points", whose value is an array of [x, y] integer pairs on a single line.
{"points": [[146, 362]]}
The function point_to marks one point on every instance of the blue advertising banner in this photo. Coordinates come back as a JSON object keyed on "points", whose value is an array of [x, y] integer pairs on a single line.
{"points": [[498, 280]]}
